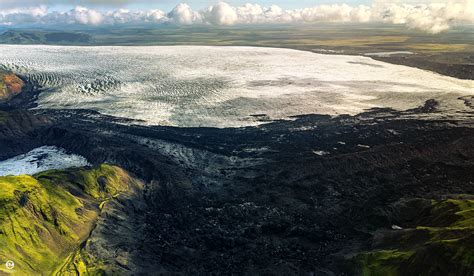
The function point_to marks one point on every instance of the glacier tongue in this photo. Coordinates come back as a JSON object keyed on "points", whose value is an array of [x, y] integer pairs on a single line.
{"points": [[41, 159], [223, 86]]}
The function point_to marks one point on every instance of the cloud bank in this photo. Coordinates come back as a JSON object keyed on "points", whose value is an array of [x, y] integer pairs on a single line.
{"points": [[429, 17]]}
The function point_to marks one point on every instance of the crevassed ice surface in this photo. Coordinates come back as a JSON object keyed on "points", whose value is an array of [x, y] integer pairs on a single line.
{"points": [[41, 159], [222, 86]]}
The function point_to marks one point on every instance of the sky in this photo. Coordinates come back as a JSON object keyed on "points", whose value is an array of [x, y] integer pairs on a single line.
{"points": [[167, 4], [432, 16]]}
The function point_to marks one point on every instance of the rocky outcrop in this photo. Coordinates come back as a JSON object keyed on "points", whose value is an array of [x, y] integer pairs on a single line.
{"points": [[10, 86], [19, 131]]}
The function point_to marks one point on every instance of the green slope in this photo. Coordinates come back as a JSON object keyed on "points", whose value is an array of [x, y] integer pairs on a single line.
{"points": [[44, 218], [438, 240]]}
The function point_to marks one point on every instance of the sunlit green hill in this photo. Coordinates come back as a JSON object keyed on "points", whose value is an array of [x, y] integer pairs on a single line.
{"points": [[44, 218]]}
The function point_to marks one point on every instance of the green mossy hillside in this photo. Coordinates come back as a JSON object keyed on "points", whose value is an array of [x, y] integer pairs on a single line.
{"points": [[439, 240], [44, 218]]}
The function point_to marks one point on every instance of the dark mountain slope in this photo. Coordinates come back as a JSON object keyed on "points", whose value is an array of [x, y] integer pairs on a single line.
{"points": [[44, 37]]}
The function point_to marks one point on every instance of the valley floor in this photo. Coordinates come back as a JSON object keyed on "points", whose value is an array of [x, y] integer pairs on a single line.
{"points": [[315, 194]]}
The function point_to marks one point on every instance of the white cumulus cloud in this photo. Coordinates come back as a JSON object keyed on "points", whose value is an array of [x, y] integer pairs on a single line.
{"points": [[221, 14], [433, 18], [184, 14], [84, 15], [225, 14], [422, 15]]}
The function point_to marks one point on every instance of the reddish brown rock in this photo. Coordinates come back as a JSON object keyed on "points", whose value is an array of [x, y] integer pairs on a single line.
{"points": [[10, 86]]}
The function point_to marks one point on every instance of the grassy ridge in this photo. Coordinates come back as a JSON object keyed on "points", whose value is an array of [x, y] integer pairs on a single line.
{"points": [[440, 241], [44, 218]]}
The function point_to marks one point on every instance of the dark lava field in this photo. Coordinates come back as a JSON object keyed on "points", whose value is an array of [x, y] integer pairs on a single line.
{"points": [[371, 194]]}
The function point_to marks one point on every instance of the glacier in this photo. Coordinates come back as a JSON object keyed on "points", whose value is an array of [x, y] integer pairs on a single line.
{"points": [[41, 159], [193, 86]]}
